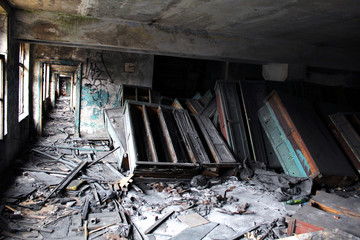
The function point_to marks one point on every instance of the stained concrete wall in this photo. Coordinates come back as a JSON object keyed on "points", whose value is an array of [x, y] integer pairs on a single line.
{"points": [[16, 133], [102, 73]]}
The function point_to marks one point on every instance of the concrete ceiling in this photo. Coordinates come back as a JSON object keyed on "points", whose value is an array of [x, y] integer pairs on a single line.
{"points": [[63, 68], [319, 33], [321, 23]]}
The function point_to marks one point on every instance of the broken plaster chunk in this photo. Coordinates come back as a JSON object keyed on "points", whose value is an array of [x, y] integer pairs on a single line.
{"points": [[193, 219], [70, 203]]}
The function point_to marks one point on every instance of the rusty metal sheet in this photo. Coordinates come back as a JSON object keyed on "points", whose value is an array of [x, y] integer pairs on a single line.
{"points": [[347, 136], [231, 118]]}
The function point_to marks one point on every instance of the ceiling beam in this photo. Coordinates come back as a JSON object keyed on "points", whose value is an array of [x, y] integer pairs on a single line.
{"points": [[6, 6], [82, 31]]}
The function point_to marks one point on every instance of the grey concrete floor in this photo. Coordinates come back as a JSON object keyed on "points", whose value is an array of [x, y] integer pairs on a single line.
{"points": [[143, 209]]}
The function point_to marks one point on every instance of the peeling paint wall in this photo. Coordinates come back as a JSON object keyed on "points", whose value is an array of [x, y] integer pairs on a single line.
{"points": [[102, 73]]}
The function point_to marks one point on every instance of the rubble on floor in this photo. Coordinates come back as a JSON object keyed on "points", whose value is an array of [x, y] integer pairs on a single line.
{"points": [[166, 174]]}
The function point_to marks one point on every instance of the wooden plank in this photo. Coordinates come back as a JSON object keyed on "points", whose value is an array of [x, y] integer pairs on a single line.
{"points": [[166, 164], [149, 135], [328, 220], [292, 134], [169, 141], [254, 93], [209, 109], [158, 222], [282, 147], [154, 129], [316, 150], [177, 104], [206, 98], [130, 139], [114, 125], [300, 227], [231, 118], [193, 106], [337, 205], [347, 137], [192, 141], [176, 137], [355, 121], [160, 139], [327, 234], [216, 144]]}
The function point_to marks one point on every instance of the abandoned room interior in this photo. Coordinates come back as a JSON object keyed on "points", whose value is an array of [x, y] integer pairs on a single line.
{"points": [[179, 119]]}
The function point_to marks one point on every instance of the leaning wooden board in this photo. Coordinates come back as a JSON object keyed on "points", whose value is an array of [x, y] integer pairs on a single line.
{"points": [[347, 136], [162, 141], [114, 125], [303, 145], [327, 220], [218, 148], [231, 118], [337, 205]]}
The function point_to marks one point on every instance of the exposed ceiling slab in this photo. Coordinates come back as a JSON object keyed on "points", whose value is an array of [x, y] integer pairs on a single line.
{"points": [[252, 30], [57, 28], [331, 23]]}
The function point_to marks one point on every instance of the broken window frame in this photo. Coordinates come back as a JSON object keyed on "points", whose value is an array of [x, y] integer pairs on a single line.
{"points": [[2, 95], [46, 81], [48, 75], [23, 80]]}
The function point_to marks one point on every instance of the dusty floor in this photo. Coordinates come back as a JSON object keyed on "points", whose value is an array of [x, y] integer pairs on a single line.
{"points": [[232, 205]]}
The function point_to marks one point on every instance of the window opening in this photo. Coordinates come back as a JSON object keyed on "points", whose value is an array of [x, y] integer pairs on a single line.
{"points": [[2, 74], [23, 80]]}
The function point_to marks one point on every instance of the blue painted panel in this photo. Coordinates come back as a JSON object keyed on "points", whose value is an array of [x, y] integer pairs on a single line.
{"points": [[287, 156]]}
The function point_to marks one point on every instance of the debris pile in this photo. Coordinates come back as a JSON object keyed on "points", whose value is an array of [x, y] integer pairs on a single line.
{"points": [[172, 172]]}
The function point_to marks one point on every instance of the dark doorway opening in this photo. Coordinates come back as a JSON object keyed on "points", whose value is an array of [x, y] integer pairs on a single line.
{"points": [[176, 77], [65, 86]]}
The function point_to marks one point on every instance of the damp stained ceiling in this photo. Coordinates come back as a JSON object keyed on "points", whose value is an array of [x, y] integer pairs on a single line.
{"points": [[326, 22], [297, 26]]}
